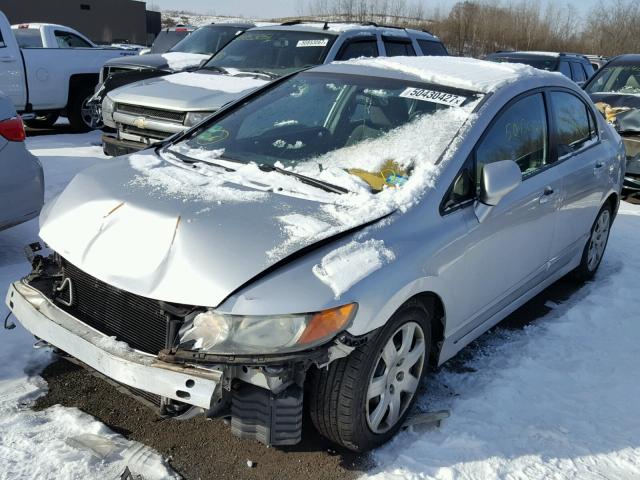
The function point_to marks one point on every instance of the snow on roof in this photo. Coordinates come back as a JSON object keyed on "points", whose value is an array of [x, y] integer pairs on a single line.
{"points": [[457, 72]]}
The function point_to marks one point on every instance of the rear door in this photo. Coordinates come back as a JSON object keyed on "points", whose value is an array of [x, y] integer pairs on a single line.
{"points": [[364, 46], [581, 161], [398, 46], [12, 81]]}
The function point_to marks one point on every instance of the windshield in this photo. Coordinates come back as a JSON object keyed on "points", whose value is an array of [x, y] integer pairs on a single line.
{"points": [[206, 40], [345, 129], [167, 39], [624, 79], [540, 63], [277, 52]]}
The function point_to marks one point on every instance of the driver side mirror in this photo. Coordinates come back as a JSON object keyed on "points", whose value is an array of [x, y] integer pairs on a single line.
{"points": [[498, 180]]}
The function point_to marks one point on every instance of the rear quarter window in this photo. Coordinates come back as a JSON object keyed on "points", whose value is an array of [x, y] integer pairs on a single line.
{"points": [[28, 37], [430, 47]]}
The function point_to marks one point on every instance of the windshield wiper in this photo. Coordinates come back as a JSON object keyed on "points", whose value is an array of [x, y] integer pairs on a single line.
{"points": [[266, 73], [215, 68], [304, 179], [189, 160]]}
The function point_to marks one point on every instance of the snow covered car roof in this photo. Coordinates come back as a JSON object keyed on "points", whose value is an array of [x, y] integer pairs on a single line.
{"points": [[457, 72]]}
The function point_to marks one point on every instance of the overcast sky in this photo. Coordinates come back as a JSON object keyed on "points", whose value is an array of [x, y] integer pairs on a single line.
{"points": [[287, 8]]}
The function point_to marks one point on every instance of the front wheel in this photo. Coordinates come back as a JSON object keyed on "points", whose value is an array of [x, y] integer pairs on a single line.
{"points": [[594, 250], [80, 112], [361, 401]]}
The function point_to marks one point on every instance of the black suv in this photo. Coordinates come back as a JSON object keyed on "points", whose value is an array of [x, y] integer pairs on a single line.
{"points": [[575, 66]]}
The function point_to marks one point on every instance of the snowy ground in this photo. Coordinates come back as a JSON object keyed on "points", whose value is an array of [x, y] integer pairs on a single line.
{"points": [[558, 399]]}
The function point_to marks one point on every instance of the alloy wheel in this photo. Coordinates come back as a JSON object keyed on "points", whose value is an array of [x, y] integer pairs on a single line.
{"points": [[598, 240], [395, 378]]}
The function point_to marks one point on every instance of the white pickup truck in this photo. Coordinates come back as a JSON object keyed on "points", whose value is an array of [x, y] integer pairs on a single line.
{"points": [[44, 83], [49, 35]]}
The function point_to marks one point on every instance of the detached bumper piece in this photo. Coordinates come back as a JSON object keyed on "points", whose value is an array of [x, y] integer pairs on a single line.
{"points": [[259, 414]]}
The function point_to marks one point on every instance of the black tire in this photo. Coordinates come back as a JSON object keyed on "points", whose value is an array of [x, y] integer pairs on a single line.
{"points": [[338, 394], [587, 269], [75, 109], [46, 120]]}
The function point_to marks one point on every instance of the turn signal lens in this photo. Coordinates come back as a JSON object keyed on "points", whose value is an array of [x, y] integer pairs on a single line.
{"points": [[327, 323], [13, 129]]}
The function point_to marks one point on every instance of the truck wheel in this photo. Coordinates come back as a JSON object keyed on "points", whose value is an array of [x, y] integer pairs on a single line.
{"points": [[594, 250], [79, 113], [362, 400], [42, 121]]}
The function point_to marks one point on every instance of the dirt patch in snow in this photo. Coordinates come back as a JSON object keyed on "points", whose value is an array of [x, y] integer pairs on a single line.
{"points": [[198, 448]]}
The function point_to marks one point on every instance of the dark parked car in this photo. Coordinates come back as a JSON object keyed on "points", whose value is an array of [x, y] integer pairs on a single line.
{"points": [[615, 89], [187, 54], [575, 66]]}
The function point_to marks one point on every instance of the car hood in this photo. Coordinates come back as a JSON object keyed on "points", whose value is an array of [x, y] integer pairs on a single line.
{"points": [[621, 110], [170, 61], [187, 91], [160, 230]]}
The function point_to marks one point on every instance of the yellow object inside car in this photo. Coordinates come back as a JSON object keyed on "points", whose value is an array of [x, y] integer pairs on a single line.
{"points": [[377, 180]]}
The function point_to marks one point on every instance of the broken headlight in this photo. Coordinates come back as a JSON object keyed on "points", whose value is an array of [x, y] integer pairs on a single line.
{"points": [[219, 333]]}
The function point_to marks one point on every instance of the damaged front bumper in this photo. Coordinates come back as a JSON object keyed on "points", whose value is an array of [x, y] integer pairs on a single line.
{"points": [[192, 385], [262, 394]]}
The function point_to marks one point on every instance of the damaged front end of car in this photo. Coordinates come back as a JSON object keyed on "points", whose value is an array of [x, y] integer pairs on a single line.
{"points": [[184, 360]]}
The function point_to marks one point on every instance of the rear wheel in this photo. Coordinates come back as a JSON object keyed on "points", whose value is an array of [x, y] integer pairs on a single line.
{"points": [[594, 250], [79, 112], [45, 120], [361, 401]]}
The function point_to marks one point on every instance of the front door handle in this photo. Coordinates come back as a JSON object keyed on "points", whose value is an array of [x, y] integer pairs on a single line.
{"points": [[599, 164], [7, 59], [546, 194]]}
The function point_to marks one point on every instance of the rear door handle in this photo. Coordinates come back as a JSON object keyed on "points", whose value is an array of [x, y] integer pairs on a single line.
{"points": [[546, 194], [7, 59]]}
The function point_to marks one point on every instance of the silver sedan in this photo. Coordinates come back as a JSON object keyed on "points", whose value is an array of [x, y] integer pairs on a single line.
{"points": [[21, 177], [329, 236]]}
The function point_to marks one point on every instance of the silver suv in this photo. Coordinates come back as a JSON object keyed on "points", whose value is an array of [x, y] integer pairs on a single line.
{"points": [[152, 110]]}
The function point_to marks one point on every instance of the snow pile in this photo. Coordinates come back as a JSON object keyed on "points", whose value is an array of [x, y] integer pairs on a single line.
{"points": [[456, 72], [181, 60], [58, 442], [214, 82], [345, 266], [557, 400]]}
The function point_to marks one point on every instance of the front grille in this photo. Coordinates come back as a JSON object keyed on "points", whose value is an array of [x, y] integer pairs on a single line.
{"points": [[106, 71], [168, 115], [144, 132], [136, 320]]}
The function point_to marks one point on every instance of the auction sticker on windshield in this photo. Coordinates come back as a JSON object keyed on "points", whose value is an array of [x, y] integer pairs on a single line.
{"points": [[433, 96], [313, 43]]}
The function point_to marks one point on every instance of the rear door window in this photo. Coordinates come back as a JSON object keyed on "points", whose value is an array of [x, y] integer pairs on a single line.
{"points": [[577, 72], [28, 37], [432, 48], [565, 69], [70, 40], [520, 134], [359, 48], [574, 122], [398, 47]]}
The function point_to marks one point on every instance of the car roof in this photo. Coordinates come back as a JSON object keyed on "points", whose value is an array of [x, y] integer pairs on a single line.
{"points": [[446, 71], [246, 26], [337, 28], [630, 58]]}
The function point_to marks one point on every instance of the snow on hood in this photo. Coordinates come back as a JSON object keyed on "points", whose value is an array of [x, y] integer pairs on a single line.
{"points": [[456, 72], [180, 60], [222, 83], [186, 91]]}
